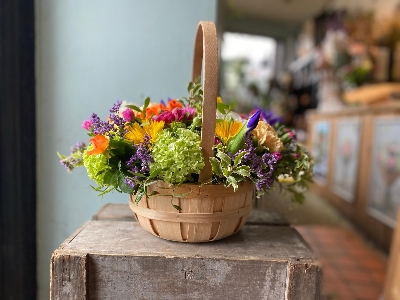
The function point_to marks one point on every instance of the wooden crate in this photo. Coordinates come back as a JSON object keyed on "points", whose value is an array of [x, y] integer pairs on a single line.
{"points": [[120, 260]]}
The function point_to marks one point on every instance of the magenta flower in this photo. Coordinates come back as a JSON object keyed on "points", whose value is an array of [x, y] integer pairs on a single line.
{"points": [[190, 111], [277, 155], [165, 116], [176, 115], [87, 124], [128, 115]]}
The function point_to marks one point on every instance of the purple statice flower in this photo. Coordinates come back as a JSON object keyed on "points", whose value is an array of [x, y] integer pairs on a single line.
{"points": [[115, 125], [253, 121], [140, 161], [87, 124], [130, 182], [261, 168], [75, 158], [163, 102], [128, 115], [99, 126], [116, 107], [80, 146]]}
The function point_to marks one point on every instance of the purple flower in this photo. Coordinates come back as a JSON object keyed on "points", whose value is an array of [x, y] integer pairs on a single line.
{"points": [[87, 124], [253, 121], [115, 126], [128, 115], [130, 182], [270, 118], [261, 168], [115, 108], [163, 102], [81, 146], [140, 161]]}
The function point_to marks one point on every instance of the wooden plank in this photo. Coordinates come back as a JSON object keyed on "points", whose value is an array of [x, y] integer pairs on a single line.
{"points": [[304, 281], [120, 260], [68, 271]]}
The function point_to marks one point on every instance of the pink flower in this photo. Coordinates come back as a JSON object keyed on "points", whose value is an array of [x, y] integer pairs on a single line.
{"points": [[128, 115], [176, 115], [277, 155], [165, 116], [87, 124]]}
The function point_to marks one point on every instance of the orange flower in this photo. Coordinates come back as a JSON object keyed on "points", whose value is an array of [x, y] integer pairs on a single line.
{"points": [[100, 143], [173, 104], [153, 110]]}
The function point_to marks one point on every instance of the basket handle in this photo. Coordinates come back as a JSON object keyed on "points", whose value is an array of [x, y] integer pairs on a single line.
{"points": [[206, 54]]}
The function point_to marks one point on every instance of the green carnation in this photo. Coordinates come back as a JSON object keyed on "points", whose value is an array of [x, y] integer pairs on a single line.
{"points": [[177, 154], [94, 164]]}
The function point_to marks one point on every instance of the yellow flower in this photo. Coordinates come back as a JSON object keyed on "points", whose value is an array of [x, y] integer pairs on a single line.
{"points": [[219, 100], [136, 132], [227, 129], [266, 136]]}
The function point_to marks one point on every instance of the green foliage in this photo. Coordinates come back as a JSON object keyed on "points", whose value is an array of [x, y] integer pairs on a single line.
{"points": [[224, 167]]}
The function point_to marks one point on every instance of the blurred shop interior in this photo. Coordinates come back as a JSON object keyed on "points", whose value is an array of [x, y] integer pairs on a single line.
{"points": [[290, 56]]}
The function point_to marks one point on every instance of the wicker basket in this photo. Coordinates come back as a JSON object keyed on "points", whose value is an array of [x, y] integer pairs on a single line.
{"points": [[208, 212]]}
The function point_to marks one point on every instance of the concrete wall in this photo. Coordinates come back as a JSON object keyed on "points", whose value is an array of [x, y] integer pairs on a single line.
{"points": [[89, 54]]}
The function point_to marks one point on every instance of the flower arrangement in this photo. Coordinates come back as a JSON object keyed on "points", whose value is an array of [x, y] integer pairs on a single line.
{"points": [[138, 146]]}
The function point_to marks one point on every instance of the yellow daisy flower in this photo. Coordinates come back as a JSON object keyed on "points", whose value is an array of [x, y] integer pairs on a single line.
{"points": [[136, 132], [227, 129]]}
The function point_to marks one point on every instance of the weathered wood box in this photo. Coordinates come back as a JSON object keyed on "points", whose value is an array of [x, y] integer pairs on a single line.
{"points": [[119, 260]]}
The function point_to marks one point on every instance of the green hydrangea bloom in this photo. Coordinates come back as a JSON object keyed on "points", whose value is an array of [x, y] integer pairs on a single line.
{"points": [[94, 164], [177, 153]]}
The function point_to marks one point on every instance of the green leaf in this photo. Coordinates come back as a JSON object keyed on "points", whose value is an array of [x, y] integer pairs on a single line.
{"points": [[177, 207], [111, 178], [124, 187], [190, 86], [154, 174], [225, 159], [139, 194], [61, 156], [196, 89], [243, 171], [222, 107], [237, 142], [216, 167], [146, 104], [233, 182], [148, 183], [238, 158], [134, 107]]}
